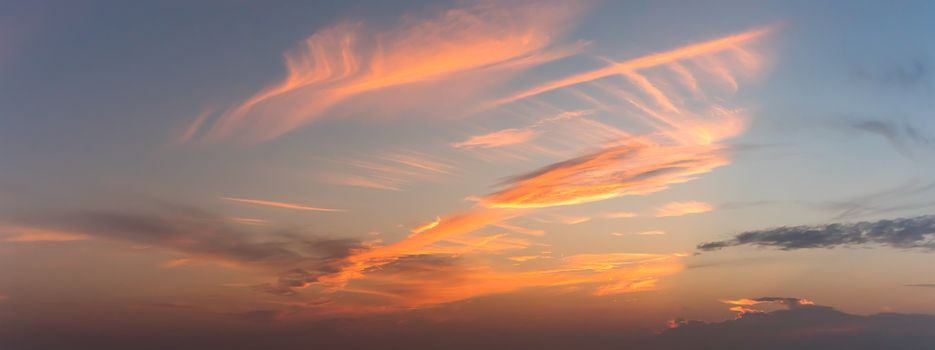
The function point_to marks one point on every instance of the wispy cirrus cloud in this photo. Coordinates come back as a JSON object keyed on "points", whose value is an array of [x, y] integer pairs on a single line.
{"points": [[906, 233], [284, 205], [682, 145], [679, 139], [499, 138], [907, 139], [348, 61], [629, 66], [635, 167], [391, 171]]}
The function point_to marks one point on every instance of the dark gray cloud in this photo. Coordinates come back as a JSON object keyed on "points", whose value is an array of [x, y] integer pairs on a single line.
{"points": [[906, 138], [299, 258], [916, 232], [802, 327], [907, 74], [787, 301], [922, 285]]}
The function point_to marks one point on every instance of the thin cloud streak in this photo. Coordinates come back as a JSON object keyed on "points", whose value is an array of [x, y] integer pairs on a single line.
{"points": [[22, 234], [499, 138], [629, 66], [633, 168], [683, 208], [284, 205], [390, 171]]}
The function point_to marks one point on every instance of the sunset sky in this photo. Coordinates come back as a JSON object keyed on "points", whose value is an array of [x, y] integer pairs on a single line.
{"points": [[470, 174]]}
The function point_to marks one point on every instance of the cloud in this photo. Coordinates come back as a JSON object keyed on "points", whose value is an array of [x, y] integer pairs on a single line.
{"points": [[22, 234], [892, 199], [629, 66], [620, 215], [500, 138], [426, 226], [390, 170], [922, 285], [432, 279], [681, 144], [641, 233], [280, 204], [633, 168], [249, 221], [742, 305], [349, 60], [914, 233], [683, 208], [903, 75], [802, 326], [519, 229], [904, 137], [456, 328], [200, 236]]}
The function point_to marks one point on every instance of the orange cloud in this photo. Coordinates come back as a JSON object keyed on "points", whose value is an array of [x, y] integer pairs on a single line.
{"points": [[497, 139], [345, 61], [620, 215], [567, 220], [30, 234], [741, 305], [683, 208], [642, 233], [249, 221], [358, 181], [426, 226], [449, 226], [420, 281], [519, 229], [634, 167], [681, 144], [690, 51], [177, 263], [280, 204]]}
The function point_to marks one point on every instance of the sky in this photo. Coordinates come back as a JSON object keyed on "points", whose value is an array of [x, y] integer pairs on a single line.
{"points": [[469, 174]]}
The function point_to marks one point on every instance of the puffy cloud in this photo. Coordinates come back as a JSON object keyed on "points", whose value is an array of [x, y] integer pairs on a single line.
{"points": [[916, 232]]}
